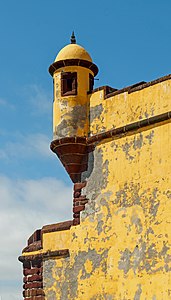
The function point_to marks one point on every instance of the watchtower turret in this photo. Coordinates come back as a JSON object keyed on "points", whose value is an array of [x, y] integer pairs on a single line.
{"points": [[73, 74]]}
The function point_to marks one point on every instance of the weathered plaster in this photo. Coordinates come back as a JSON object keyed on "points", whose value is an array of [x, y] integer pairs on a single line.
{"points": [[121, 249]]}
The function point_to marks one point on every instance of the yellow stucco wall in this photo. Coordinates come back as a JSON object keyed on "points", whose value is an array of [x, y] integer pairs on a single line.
{"points": [[122, 248], [58, 240], [126, 108]]}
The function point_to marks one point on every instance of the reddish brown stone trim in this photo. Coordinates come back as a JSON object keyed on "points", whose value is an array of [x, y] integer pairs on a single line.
{"points": [[36, 259], [73, 62], [150, 83], [79, 202], [33, 247], [73, 154], [36, 236], [57, 227], [128, 128], [58, 253], [126, 89], [33, 272], [35, 240], [107, 90], [33, 280], [67, 90], [110, 92]]}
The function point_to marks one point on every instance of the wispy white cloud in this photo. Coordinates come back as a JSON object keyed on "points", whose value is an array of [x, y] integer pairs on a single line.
{"points": [[5, 103], [24, 146], [39, 98], [26, 205], [2, 102], [3, 155]]}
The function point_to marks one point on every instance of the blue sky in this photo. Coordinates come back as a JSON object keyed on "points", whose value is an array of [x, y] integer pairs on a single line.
{"points": [[129, 41]]}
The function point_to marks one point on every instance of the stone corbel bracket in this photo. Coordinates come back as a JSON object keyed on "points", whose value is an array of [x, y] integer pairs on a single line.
{"points": [[73, 154]]}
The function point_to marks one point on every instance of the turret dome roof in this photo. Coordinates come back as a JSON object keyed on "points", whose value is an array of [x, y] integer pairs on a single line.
{"points": [[73, 51]]}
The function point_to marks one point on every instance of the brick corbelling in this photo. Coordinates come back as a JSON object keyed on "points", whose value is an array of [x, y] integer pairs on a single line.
{"points": [[33, 278], [79, 201], [35, 271], [33, 285], [79, 186], [78, 208], [33, 264], [33, 292]]}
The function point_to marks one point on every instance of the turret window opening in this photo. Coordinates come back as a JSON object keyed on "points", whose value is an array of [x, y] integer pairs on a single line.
{"points": [[91, 82], [68, 83]]}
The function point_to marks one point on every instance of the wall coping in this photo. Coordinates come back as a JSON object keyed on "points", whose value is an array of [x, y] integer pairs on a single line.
{"points": [[110, 91], [45, 255]]}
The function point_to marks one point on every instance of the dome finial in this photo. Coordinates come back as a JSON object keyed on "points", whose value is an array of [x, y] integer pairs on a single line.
{"points": [[73, 39]]}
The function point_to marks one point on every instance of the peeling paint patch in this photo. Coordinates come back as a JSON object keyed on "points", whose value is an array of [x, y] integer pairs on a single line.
{"points": [[138, 293], [126, 148], [95, 112], [102, 297], [138, 142], [47, 269], [168, 194], [137, 222], [72, 121], [96, 183], [51, 295], [125, 263], [150, 137]]}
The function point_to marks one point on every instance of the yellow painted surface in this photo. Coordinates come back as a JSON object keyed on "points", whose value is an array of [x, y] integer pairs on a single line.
{"points": [[58, 240], [71, 113], [73, 51], [53, 241], [125, 108], [32, 253], [122, 248]]}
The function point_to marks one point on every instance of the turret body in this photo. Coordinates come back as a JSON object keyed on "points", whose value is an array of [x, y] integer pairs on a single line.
{"points": [[73, 75]]}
